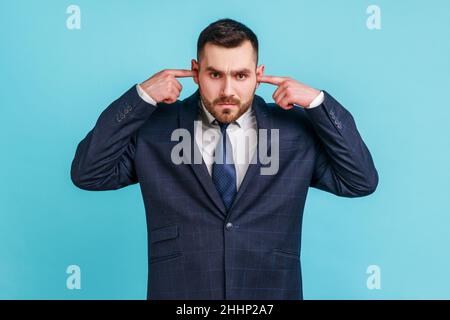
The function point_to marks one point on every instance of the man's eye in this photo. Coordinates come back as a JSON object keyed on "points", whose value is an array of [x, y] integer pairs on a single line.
{"points": [[214, 74], [241, 76]]}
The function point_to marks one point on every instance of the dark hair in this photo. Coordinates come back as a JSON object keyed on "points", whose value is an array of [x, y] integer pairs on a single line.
{"points": [[226, 33]]}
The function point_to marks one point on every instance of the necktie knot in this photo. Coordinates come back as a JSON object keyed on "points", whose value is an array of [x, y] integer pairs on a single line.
{"points": [[223, 126]]}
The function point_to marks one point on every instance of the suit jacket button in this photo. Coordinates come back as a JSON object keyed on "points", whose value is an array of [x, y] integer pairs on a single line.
{"points": [[229, 226]]}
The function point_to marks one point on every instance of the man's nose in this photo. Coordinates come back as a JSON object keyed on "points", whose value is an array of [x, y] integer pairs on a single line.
{"points": [[227, 87]]}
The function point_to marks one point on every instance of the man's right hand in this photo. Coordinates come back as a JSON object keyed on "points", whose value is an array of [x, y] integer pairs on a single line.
{"points": [[163, 87]]}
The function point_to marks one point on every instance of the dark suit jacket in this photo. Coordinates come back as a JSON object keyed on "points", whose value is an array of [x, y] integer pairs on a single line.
{"points": [[196, 249]]}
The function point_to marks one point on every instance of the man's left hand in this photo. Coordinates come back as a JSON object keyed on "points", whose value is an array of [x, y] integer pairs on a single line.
{"points": [[290, 92]]}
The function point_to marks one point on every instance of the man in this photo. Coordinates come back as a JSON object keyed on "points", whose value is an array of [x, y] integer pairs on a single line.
{"points": [[222, 227]]}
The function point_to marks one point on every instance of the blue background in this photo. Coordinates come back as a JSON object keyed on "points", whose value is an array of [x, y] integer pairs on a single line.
{"points": [[54, 83]]}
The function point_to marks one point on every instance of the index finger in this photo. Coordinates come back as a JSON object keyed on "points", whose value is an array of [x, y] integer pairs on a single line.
{"points": [[272, 80], [180, 73]]}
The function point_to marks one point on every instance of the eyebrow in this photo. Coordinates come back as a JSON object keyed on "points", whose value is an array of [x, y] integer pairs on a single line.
{"points": [[245, 70]]}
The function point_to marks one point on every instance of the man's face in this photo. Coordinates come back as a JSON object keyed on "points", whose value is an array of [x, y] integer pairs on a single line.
{"points": [[227, 79]]}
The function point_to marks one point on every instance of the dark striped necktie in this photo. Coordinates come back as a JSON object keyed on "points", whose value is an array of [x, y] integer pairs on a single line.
{"points": [[223, 170]]}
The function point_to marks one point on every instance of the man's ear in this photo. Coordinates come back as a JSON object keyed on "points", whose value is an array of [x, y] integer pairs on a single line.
{"points": [[195, 67], [259, 73]]}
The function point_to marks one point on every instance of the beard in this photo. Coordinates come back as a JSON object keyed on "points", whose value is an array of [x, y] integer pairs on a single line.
{"points": [[227, 114]]}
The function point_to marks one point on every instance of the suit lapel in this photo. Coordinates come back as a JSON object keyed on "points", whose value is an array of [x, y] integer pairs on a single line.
{"points": [[263, 121], [188, 114]]}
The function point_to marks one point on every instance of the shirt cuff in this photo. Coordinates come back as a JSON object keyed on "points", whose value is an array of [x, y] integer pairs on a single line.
{"points": [[317, 100], [144, 96]]}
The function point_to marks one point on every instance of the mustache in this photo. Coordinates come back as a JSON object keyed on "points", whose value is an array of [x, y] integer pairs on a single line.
{"points": [[226, 101]]}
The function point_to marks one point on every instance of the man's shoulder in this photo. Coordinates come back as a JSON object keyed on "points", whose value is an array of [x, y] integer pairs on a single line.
{"points": [[294, 119]]}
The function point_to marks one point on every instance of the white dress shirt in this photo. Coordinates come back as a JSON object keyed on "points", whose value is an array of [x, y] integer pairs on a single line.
{"points": [[243, 142]]}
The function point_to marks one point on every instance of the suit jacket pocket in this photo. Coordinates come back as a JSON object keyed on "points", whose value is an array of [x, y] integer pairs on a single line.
{"points": [[164, 233], [164, 257], [286, 253], [164, 243]]}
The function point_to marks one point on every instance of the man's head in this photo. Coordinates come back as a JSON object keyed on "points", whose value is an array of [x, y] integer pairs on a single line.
{"points": [[227, 53]]}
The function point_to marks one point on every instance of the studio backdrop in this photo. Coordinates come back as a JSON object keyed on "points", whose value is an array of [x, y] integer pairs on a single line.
{"points": [[63, 62]]}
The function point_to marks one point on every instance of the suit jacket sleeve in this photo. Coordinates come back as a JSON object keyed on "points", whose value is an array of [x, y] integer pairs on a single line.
{"points": [[104, 159], [343, 163]]}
